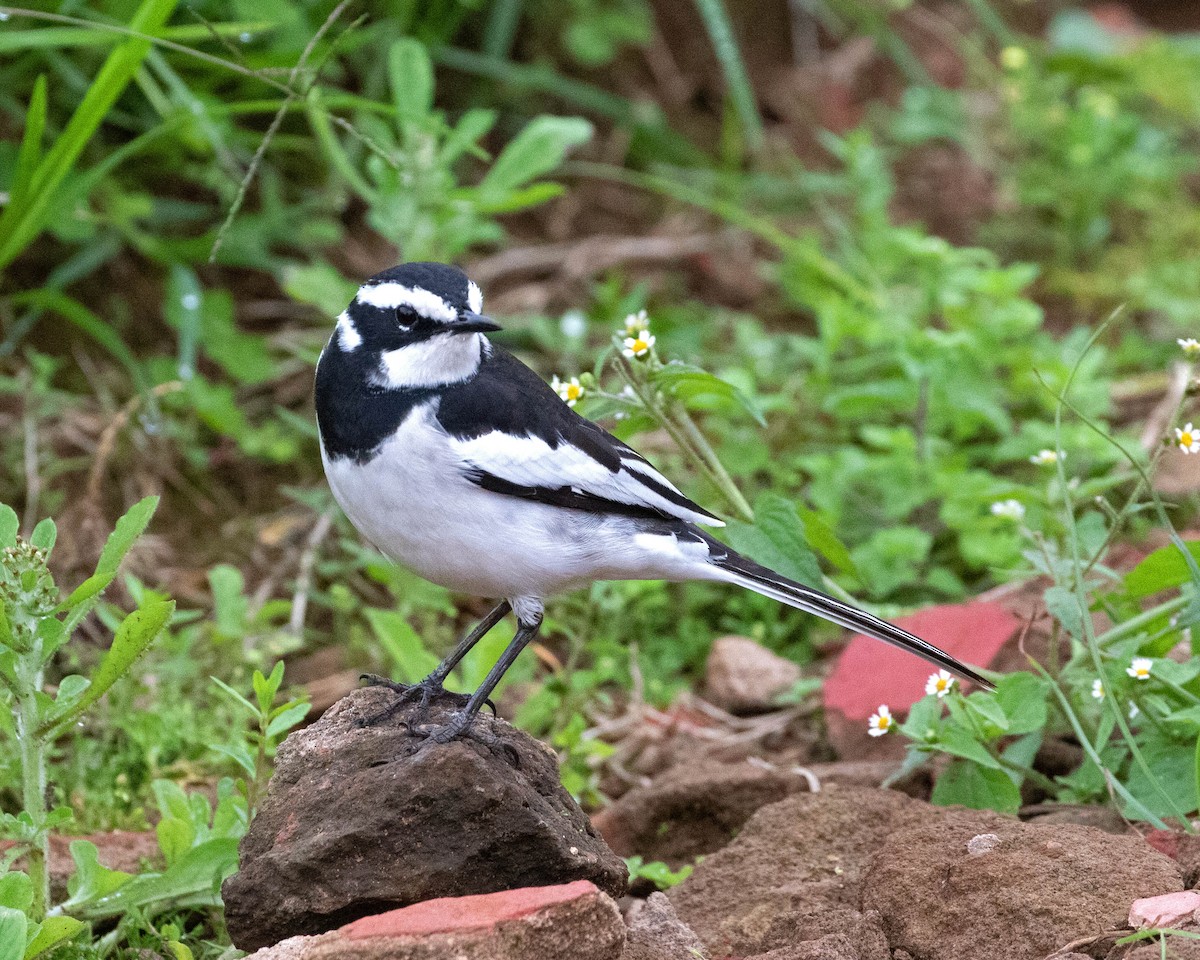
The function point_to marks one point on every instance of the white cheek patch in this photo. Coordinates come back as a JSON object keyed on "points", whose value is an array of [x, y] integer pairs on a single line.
{"points": [[392, 296], [474, 298], [348, 336], [446, 358]]}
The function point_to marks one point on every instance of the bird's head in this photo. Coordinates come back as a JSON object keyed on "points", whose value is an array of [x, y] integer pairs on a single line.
{"points": [[422, 320]]}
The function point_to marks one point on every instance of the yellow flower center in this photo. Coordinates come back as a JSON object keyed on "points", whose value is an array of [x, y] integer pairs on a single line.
{"points": [[885, 722], [640, 346], [574, 391], [942, 684], [1185, 439]]}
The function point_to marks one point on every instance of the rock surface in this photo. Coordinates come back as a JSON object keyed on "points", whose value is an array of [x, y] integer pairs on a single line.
{"points": [[657, 933], [743, 676], [864, 874], [1165, 910], [1038, 888], [573, 921], [792, 875], [691, 809], [358, 820]]}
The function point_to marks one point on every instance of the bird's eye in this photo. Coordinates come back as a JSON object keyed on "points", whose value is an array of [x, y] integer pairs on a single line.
{"points": [[405, 319]]}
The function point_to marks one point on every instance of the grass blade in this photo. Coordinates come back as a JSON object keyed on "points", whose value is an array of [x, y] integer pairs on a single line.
{"points": [[27, 213], [720, 32]]}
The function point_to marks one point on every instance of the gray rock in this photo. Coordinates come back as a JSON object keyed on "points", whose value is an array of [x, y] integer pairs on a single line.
{"points": [[361, 820], [743, 676], [656, 933]]}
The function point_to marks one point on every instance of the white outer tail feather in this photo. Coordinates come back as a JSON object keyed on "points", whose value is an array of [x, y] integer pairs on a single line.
{"points": [[745, 573]]}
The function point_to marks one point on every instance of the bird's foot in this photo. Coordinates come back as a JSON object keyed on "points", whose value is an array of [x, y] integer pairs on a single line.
{"points": [[461, 726], [423, 693]]}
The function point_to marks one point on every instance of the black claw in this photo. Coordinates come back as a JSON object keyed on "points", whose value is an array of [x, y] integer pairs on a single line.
{"points": [[374, 680]]}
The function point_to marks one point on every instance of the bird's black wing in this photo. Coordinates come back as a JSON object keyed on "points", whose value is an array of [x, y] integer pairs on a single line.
{"points": [[515, 436]]}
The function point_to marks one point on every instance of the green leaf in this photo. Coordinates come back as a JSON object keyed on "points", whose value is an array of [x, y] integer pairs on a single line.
{"points": [[821, 537], [960, 743], [537, 149], [91, 879], [12, 933], [175, 838], [16, 891], [70, 689], [988, 713], [292, 715], [192, 881], [44, 535], [412, 661], [776, 539], [266, 688], [410, 73], [1022, 697], [124, 535], [514, 200], [924, 720], [135, 634], [1164, 569], [6, 634], [10, 523], [52, 932], [1064, 607], [31, 143], [235, 696], [968, 784], [1172, 764], [686, 382], [230, 604], [471, 127], [171, 799], [239, 755]]}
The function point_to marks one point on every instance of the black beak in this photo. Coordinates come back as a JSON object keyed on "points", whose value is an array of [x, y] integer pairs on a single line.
{"points": [[469, 322]]}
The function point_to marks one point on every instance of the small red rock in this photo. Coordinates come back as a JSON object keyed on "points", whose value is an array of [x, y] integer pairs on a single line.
{"points": [[448, 914], [869, 673], [1165, 910]]}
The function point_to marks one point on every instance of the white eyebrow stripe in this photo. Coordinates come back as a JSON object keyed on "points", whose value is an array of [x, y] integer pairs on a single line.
{"points": [[474, 298], [391, 296], [349, 339]]}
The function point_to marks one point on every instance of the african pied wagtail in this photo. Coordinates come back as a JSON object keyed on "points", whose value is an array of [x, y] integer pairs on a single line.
{"points": [[462, 464]]}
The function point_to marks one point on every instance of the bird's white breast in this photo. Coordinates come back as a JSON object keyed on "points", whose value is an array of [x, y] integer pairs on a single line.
{"points": [[414, 502]]}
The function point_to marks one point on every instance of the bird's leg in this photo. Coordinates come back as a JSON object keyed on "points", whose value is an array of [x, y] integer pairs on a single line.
{"points": [[431, 686], [527, 628]]}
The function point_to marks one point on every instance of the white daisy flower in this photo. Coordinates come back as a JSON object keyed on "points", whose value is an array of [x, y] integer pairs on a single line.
{"points": [[1188, 439], [635, 323], [880, 721], [1045, 458], [640, 344], [1139, 668], [1189, 345], [939, 683], [573, 324], [1098, 689], [569, 390], [1009, 509]]}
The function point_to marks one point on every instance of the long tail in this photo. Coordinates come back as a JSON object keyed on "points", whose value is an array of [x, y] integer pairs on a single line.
{"points": [[760, 579]]}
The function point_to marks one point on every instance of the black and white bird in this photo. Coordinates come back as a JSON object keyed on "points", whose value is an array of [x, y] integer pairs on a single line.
{"points": [[460, 463]]}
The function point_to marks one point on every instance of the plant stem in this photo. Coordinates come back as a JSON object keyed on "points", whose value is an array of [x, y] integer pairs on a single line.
{"points": [[717, 470], [1036, 776], [33, 777]]}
